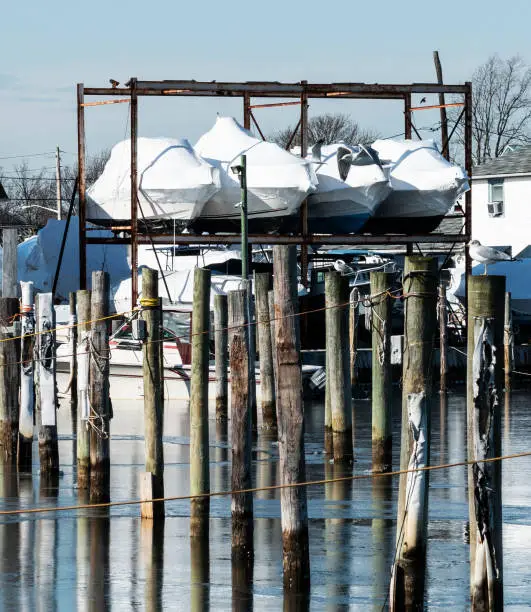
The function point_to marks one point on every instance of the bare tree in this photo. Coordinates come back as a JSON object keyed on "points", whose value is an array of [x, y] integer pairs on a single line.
{"points": [[32, 195], [328, 128], [501, 107]]}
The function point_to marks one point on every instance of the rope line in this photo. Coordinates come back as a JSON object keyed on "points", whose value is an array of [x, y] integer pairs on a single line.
{"points": [[427, 468]]}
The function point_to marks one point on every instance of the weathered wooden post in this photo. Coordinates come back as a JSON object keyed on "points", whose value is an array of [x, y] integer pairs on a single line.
{"points": [[294, 513], [507, 342], [9, 262], [248, 287], [72, 349], [83, 299], [221, 356], [484, 384], [262, 282], [382, 411], [420, 294], [443, 338], [338, 359], [153, 477], [271, 306], [47, 393], [27, 395], [100, 403], [199, 451], [9, 405], [242, 503], [353, 333]]}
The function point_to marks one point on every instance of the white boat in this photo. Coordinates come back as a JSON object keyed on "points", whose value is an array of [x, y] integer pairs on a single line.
{"points": [[173, 182], [424, 187], [126, 375], [352, 184], [277, 181]]}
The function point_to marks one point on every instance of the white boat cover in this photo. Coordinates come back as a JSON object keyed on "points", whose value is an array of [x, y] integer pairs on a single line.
{"points": [[277, 181], [173, 182], [348, 173], [423, 182]]}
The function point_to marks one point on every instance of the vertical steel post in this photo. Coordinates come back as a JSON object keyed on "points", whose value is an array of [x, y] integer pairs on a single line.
{"points": [[134, 193], [246, 111], [468, 195], [58, 181], [304, 205], [82, 235], [407, 116], [243, 217]]}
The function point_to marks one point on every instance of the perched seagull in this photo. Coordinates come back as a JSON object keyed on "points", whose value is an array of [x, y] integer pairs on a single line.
{"points": [[486, 255], [423, 101], [114, 83], [342, 267]]}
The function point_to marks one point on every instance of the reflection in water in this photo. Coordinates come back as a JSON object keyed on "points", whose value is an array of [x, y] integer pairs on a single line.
{"points": [[242, 583], [443, 425], [338, 536], [382, 539], [152, 542], [99, 579], [26, 547], [9, 537], [507, 422], [82, 555], [296, 602], [200, 570]]}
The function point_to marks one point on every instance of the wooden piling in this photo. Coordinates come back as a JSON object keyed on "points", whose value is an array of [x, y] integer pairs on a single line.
{"points": [[83, 299], [262, 283], [153, 394], [72, 344], [242, 503], [47, 391], [27, 394], [199, 451], [484, 384], [221, 356], [9, 262], [382, 413], [271, 306], [507, 342], [443, 339], [9, 404], [338, 359], [294, 514], [353, 334], [420, 294], [248, 287], [100, 403]]}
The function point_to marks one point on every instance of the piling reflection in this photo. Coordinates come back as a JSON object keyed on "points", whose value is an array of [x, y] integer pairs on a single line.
{"points": [[443, 427], [99, 579], [296, 602], [200, 569], [152, 542], [9, 535], [507, 422], [242, 583], [26, 547], [338, 529], [382, 528], [82, 554]]}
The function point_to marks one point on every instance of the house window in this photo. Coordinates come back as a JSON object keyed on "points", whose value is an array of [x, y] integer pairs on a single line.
{"points": [[496, 202]]}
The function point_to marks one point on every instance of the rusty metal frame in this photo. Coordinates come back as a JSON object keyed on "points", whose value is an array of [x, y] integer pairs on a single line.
{"points": [[302, 91]]}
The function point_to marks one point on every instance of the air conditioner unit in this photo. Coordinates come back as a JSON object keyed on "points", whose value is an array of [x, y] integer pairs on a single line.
{"points": [[495, 209]]}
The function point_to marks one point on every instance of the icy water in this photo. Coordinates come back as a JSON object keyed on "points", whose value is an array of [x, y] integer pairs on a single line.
{"points": [[105, 560]]}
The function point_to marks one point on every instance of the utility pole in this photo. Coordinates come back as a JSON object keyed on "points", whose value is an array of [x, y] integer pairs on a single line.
{"points": [[58, 180]]}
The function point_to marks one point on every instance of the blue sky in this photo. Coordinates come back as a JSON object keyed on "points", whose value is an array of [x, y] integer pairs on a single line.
{"points": [[48, 47]]}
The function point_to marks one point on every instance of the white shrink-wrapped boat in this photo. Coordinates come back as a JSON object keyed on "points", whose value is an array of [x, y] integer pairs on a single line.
{"points": [[277, 181], [352, 184], [424, 187], [173, 182]]}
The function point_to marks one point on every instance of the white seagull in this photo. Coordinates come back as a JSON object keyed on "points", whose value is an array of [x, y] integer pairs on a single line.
{"points": [[486, 255], [342, 267]]}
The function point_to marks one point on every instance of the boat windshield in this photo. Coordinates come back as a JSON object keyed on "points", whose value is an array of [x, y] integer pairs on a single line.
{"points": [[175, 324]]}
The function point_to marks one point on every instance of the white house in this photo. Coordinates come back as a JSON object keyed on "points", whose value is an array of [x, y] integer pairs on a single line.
{"points": [[501, 200]]}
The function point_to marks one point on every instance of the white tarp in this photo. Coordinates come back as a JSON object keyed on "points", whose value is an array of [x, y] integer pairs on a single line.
{"points": [[277, 181], [423, 182], [173, 182]]}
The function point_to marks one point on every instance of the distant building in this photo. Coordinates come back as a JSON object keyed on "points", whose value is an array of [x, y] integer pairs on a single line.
{"points": [[501, 200]]}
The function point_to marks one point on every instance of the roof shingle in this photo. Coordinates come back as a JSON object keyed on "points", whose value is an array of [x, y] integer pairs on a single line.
{"points": [[513, 162]]}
